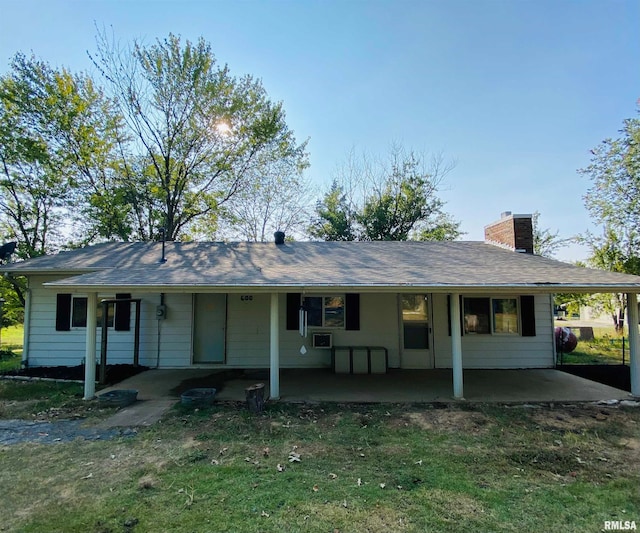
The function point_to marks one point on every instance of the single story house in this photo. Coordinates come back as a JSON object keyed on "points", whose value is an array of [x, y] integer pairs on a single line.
{"points": [[352, 306]]}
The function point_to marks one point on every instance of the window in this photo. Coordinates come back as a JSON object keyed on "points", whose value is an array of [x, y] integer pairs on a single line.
{"points": [[505, 315], [476, 315], [325, 311], [79, 313], [491, 315], [415, 321]]}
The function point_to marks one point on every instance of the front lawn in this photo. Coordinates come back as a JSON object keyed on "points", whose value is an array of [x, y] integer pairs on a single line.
{"points": [[13, 336], [11, 339], [331, 467]]}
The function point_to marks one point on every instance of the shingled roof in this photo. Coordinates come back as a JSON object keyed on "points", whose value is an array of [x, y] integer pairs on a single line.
{"points": [[434, 266]]}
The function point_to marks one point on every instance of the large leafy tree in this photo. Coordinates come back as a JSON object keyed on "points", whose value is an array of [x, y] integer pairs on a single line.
{"points": [[613, 201], [334, 216], [54, 139], [198, 134], [395, 199], [57, 143]]}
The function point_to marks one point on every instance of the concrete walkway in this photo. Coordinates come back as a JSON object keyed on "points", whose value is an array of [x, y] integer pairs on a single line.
{"points": [[154, 396], [398, 386]]}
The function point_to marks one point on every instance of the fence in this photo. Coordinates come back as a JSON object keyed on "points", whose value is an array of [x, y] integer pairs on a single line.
{"points": [[604, 349]]}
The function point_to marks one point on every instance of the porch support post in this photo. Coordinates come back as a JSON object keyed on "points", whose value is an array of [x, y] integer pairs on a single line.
{"points": [[456, 347], [274, 350], [634, 343], [90, 349]]}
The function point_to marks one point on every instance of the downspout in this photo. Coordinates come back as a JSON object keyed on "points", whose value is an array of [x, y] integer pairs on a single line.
{"points": [[24, 363], [159, 330]]}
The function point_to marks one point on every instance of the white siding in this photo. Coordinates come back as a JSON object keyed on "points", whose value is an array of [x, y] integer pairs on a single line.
{"points": [[497, 351], [176, 331], [48, 347], [248, 332], [247, 335]]}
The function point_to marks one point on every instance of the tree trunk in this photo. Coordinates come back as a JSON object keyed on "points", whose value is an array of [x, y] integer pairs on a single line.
{"points": [[255, 397]]}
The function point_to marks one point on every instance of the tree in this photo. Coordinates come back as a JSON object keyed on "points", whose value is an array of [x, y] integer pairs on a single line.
{"points": [[55, 137], [612, 252], [335, 217], [545, 241], [394, 199], [276, 200], [198, 134], [32, 187], [613, 201]]}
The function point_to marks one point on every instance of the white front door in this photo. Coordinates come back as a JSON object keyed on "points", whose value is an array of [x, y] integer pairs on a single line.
{"points": [[209, 325], [415, 331]]}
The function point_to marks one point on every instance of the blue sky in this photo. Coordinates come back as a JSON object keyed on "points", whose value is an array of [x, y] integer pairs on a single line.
{"points": [[517, 92]]}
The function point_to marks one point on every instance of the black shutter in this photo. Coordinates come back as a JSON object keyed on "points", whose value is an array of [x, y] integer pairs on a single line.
{"points": [[528, 315], [293, 310], [461, 315], [123, 313], [352, 312], [63, 312]]}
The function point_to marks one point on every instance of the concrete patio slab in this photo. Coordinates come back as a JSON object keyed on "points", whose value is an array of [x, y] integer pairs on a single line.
{"points": [[398, 386], [418, 386]]}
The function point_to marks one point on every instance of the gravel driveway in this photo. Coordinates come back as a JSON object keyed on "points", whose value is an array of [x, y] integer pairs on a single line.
{"points": [[20, 431]]}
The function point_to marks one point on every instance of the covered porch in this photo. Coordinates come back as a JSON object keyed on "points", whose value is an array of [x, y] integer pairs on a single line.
{"points": [[397, 386], [159, 390]]}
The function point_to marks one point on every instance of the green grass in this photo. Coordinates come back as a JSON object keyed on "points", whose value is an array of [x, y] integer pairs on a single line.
{"points": [[9, 361], [11, 348], [361, 468], [604, 349], [23, 399], [13, 336]]}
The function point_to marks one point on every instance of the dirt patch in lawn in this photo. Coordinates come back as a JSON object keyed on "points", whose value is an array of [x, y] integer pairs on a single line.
{"points": [[448, 420], [578, 419]]}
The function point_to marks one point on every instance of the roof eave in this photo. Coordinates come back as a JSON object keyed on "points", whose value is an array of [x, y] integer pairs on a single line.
{"points": [[49, 271], [519, 288]]}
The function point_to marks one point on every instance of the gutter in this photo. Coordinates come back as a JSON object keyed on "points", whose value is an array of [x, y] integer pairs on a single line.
{"points": [[531, 288]]}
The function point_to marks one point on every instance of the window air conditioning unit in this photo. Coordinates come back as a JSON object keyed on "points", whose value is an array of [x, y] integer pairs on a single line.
{"points": [[323, 340]]}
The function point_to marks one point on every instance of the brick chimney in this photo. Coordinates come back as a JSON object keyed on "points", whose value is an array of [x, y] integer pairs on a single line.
{"points": [[514, 232]]}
